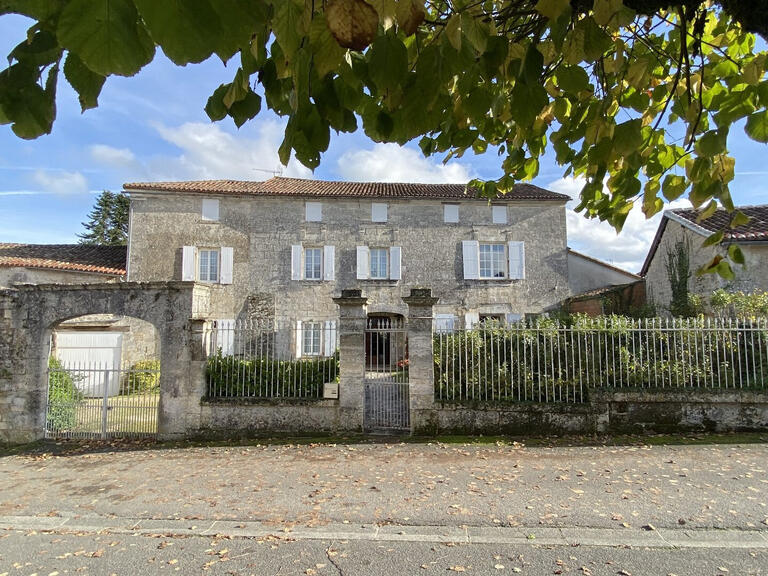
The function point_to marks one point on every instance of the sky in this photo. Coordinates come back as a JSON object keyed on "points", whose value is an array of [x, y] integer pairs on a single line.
{"points": [[153, 127]]}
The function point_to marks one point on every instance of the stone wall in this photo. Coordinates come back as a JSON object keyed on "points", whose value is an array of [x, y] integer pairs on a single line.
{"points": [[261, 232]]}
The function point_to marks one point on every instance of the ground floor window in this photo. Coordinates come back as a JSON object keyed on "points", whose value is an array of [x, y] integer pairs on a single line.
{"points": [[311, 338]]}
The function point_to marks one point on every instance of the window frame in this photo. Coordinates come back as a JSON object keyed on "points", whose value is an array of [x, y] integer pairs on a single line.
{"points": [[378, 250], [308, 205], [210, 202], [499, 209], [503, 263], [446, 220], [199, 264], [314, 330], [379, 205], [305, 250]]}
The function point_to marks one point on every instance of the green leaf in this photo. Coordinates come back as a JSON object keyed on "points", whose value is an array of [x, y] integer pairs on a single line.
{"points": [[326, 52], [552, 9], [736, 255], [596, 41], [572, 79], [608, 12], [673, 186], [712, 143], [39, 50], [87, 84], [713, 239], [474, 31], [527, 102], [30, 108], [245, 109], [627, 137], [738, 218], [757, 126], [388, 62], [453, 31], [289, 26], [215, 108], [106, 35], [40, 10]]}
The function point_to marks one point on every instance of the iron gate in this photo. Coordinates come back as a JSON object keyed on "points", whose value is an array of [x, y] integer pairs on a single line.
{"points": [[99, 401], [386, 401]]}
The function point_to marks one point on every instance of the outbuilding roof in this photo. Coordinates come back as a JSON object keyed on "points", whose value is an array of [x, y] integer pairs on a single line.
{"points": [[280, 186], [77, 257]]}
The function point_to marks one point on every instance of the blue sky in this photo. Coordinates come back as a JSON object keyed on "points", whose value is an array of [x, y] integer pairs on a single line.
{"points": [[153, 127]]}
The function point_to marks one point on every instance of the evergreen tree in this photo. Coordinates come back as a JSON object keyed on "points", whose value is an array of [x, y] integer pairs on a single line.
{"points": [[108, 221]]}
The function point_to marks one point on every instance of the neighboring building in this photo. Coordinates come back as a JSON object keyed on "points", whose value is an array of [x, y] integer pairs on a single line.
{"points": [[108, 340], [683, 225], [283, 248], [586, 274], [600, 288]]}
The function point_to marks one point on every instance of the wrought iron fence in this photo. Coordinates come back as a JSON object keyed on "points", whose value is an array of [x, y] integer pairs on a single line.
{"points": [[546, 361], [99, 400], [270, 359]]}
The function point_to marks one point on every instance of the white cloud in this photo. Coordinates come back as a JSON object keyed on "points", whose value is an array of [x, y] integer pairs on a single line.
{"points": [[208, 152], [61, 182], [599, 239], [113, 157], [394, 163]]}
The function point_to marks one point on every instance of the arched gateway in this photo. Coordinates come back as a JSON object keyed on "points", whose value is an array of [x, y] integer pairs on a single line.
{"points": [[28, 314]]}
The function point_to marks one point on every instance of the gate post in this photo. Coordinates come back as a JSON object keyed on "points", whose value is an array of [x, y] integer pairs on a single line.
{"points": [[421, 371], [352, 315]]}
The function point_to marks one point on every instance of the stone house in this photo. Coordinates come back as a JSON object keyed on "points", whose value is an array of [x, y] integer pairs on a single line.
{"points": [[111, 340], [284, 247], [684, 226]]}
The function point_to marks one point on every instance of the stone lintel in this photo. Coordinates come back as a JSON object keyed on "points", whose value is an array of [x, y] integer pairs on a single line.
{"points": [[420, 298], [352, 297]]}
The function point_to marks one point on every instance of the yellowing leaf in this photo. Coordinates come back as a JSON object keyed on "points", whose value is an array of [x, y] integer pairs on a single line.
{"points": [[352, 22]]}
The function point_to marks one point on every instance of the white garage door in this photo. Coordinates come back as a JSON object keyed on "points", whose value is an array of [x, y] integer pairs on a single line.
{"points": [[95, 358]]}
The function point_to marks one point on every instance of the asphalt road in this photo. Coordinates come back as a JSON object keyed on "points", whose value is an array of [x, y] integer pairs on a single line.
{"points": [[387, 509]]}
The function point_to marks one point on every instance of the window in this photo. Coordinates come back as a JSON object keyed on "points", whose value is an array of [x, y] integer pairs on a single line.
{"points": [[210, 209], [499, 214], [378, 212], [451, 213], [492, 261], [313, 263], [379, 257], [310, 341], [313, 211], [445, 323], [208, 265]]}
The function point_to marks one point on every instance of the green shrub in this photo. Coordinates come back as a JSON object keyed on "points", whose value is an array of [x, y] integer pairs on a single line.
{"points": [[63, 397], [142, 378], [259, 377]]}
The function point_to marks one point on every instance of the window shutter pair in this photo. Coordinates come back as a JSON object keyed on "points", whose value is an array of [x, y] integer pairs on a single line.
{"points": [[189, 262], [515, 254], [329, 266], [364, 263]]}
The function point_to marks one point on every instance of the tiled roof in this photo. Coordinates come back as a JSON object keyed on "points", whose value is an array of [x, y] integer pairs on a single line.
{"points": [[79, 257], [755, 229], [280, 186]]}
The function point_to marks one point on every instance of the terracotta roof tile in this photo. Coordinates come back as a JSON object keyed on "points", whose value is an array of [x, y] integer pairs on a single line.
{"points": [[78, 257], [755, 229], [328, 189]]}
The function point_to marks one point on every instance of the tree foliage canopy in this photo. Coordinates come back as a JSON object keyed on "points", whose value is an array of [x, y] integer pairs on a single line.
{"points": [[108, 221], [636, 97]]}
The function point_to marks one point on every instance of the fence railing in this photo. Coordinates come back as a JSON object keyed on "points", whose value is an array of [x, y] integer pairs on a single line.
{"points": [[550, 362], [270, 359]]}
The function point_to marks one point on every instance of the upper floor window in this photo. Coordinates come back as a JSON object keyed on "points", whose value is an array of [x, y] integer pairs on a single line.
{"points": [[378, 212], [499, 214], [313, 211], [451, 213], [312, 263], [208, 265], [492, 261], [210, 209], [379, 263], [214, 265]]}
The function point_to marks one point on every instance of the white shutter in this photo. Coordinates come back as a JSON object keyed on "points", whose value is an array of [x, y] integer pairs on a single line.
{"points": [[363, 263], [188, 254], [296, 262], [516, 260], [512, 318], [299, 338], [227, 265], [313, 211], [210, 209], [378, 212], [471, 253], [445, 323], [499, 214], [329, 270], [450, 213], [395, 253], [329, 336], [471, 319], [225, 336]]}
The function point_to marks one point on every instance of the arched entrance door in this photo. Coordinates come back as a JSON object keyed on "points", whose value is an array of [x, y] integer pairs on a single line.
{"points": [[386, 406]]}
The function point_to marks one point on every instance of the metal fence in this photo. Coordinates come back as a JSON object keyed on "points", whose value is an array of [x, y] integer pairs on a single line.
{"points": [[91, 400], [546, 361], [386, 389], [270, 359]]}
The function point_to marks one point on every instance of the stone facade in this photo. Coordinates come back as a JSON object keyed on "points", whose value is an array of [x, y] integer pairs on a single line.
{"points": [[753, 276], [262, 230]]}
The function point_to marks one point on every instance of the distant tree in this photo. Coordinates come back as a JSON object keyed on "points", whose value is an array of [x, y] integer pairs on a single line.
{"points": [[108, 221]]}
